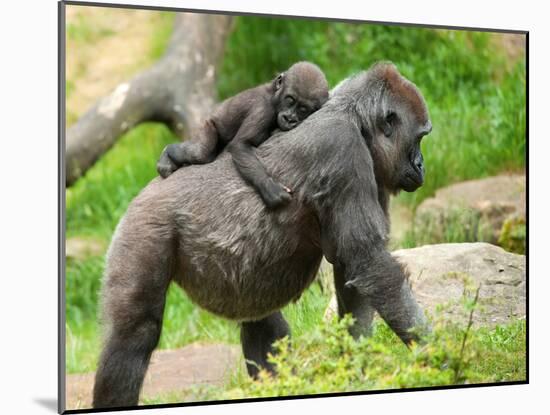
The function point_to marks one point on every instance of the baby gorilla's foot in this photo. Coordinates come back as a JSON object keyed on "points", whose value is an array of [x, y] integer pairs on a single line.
{"points": [[275, 195], [176, 153], [165, 166]]}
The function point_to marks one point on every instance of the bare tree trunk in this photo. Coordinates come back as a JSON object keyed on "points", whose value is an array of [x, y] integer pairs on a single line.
{"points": [[178, 90]]}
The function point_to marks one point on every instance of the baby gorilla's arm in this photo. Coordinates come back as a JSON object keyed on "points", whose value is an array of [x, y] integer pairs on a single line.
{"points": [[255, 130]]}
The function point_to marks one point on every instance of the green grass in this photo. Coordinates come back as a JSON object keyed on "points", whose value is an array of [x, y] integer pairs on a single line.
{"points": [[96, 202], [477, 104], [463, 225], [459, 225], [83, 30]]}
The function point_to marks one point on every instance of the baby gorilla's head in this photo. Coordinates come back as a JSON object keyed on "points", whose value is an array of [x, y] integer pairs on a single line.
{"points": [[297, 93]]}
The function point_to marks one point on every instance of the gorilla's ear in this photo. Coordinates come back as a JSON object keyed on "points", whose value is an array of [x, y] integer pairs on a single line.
{"points": [[278, 82]]}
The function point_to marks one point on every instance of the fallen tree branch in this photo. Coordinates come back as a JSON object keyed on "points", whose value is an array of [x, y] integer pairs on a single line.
{"points": [[179, 90]]}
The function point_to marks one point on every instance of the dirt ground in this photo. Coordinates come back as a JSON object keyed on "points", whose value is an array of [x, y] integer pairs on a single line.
{"points": [[105, 47], [170, 371], [512, 44]]}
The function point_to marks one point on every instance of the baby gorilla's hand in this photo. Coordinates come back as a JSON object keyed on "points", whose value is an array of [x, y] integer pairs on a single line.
{"points": [[165, 166], [274, 194]]}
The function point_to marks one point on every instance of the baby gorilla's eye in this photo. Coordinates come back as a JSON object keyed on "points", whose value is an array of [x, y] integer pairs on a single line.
{"points": [[290, 99], [303, 111]]}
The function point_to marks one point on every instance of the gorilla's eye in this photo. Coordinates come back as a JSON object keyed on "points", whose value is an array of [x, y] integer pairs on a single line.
{"points": [[290, 99], [391, 118], [303, 110]]}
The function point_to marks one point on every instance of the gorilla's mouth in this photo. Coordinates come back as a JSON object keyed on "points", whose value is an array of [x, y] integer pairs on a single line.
{"points": [[283, 124], [410, 182]]}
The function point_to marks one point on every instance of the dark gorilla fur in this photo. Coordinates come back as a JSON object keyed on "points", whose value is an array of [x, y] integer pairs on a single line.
{"points": [[209, 232], [248, 119]]}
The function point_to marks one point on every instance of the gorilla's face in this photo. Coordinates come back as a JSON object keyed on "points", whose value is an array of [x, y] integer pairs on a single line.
{"points": [[411, 165], [298, 92], [401, 120], [292, 110]]}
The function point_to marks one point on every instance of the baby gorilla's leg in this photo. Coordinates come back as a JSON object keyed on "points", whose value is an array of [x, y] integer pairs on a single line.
{"points": [[200, 150], [190, 152]]}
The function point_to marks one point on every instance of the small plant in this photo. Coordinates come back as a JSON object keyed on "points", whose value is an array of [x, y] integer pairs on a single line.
{"points": [[329, 360], [513, 235], [469, 305]]}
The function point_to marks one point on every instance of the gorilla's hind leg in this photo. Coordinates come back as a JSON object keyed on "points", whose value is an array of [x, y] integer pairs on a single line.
{"points": [[133, 305], [257, 339], [123, 364]]}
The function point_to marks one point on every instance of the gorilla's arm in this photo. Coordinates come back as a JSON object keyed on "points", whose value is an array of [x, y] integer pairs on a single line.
{"points": [[354, 237]]}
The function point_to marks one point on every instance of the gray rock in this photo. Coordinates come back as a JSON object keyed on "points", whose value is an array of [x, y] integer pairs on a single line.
{"points": [[440, 274]]}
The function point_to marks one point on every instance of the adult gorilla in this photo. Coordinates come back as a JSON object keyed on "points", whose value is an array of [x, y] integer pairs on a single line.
{"points": [[208, 231]]}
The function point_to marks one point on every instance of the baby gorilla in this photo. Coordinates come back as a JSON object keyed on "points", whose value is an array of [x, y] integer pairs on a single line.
{"points": [[246, 120]]}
